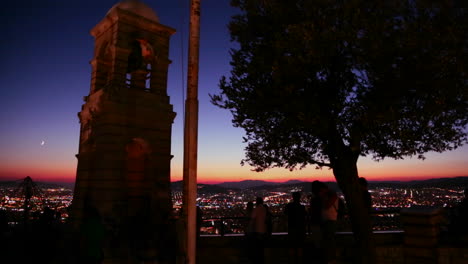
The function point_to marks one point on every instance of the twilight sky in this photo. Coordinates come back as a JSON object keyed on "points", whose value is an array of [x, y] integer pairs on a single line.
{"points": [[45, 52]]}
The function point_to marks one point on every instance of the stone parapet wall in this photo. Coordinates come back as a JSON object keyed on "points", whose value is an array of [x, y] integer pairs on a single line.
{"points": [[422, 233], [452, 255], [390, 249], [234, 249]]}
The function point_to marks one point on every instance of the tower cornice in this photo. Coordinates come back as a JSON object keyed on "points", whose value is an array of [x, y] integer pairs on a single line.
{"points": [[124, 16]]}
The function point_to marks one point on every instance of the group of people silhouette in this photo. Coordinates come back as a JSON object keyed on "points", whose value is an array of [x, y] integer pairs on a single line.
{"points": [[321, 216], [258, 229]]}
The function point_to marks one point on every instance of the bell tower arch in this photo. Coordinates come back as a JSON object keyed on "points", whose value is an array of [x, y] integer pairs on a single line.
{"points": [[124, 151]]}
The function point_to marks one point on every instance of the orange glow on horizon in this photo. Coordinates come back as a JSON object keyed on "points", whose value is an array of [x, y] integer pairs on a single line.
{"points": [[207, 180], [39, 174], [57, 176], [218, 172]]}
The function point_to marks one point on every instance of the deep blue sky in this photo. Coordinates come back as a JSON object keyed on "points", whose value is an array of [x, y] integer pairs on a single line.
{"points": [[45, 52]]}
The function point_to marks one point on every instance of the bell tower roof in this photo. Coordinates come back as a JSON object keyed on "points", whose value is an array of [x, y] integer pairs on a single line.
{"points": [[137, 7]]}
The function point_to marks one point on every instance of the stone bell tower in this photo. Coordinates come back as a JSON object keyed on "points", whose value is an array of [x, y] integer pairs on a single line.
{"points": [[125, 136]]}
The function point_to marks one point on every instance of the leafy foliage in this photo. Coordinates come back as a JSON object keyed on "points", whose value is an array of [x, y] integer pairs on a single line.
{"points": [[315, 78]]}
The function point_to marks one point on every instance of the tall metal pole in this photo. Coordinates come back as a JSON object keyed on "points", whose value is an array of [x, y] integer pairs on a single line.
{"points": [[191, 134]]}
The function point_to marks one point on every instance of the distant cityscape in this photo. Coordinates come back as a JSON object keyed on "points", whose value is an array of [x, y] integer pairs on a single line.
{"points": [[223, 205]]}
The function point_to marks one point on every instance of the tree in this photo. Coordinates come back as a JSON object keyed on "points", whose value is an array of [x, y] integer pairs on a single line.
{"points": [[321, 82]]}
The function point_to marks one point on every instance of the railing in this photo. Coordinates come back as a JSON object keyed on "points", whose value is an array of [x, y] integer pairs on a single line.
{"points": [[382, 220]]}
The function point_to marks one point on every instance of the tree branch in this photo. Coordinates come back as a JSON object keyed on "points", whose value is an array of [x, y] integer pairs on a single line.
{"points": [[321, 164]]}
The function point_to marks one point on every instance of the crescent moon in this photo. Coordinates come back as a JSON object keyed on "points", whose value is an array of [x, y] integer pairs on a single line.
{"points": [[42, 143]]}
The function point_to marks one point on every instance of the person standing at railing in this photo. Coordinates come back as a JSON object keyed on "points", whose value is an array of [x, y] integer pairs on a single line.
{"points": [[296, 214], [463, 208], [258, 223], [459, 226], [329, 200], [268, 222], [315, 213], [248, 229], [365, 193]]}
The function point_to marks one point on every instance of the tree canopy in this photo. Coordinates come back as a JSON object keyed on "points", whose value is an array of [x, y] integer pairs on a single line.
{"points": [[313, 79]]}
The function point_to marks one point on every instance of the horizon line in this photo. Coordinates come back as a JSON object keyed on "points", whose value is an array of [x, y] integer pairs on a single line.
{"points": [[390, 179]]}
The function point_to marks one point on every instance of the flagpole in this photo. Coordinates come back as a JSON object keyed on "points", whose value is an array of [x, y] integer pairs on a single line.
{"points": [[191, 134]]}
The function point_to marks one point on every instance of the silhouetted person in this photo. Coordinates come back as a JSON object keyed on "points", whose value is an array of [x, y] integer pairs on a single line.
{"points": [[47, 217], [248, 230], [315, 213], [329, 201], [366, 196], [296, 214], [58, 216], [258, 224], [463, 209], [268, 222], [464, 202], [460, 219]]}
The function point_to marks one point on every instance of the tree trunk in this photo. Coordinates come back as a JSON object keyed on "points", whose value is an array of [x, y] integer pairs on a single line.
{"points": [[346, 175]]}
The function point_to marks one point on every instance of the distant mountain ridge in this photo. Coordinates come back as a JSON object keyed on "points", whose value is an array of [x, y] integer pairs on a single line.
{"points": [[42, 185], [245, 184], [205, 188], [255, 183], [460, 181], [305, 185]]}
